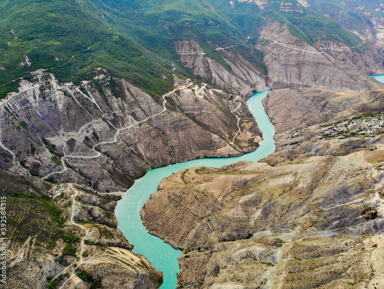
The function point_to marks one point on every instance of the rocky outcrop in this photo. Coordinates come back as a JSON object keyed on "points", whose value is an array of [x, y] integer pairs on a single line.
{"points": [[261, 3], [300, 108], [119, 268], [304, 216], [47, 248], [309, 262], [310, 216], [329, 64], [290, 63], [347, 123], [106, 132], [284, 6], [243, 77]]}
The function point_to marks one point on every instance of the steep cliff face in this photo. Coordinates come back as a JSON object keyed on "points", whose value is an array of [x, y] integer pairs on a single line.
{"points": [[307, 107], [106, 132], [243, 77], [290, 63], [348, 122], [328, 64], [310, 216], [319, 209], [54, 240]]}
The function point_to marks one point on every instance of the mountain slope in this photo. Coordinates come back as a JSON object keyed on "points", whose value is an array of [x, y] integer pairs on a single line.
{"points": [[92, 77], [71, 39], [46, 243], [135, 39], [97, 92], [310, 215]]}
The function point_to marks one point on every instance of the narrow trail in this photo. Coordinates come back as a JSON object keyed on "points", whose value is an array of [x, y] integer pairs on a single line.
{"points": [[163, 256], [21, 253], [225, 48], [291, 47], [190, 53], [323, 51], [59, 172], [238, 120], [118, 131], [115, 137], [199, 91], [14, 34], [81, 247]]}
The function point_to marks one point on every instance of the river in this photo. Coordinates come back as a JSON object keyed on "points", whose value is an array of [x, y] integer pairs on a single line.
{"points": [[379, 77], [162, 255]]}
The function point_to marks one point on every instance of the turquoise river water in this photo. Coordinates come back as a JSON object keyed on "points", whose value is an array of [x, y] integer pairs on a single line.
{"points": [[162, 255], [379, 77]]}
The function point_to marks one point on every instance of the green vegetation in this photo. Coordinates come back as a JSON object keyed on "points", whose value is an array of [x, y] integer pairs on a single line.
{"points": [[53, 283], [71, 39], [56, 160], [278, 242], [312, 27], [23, 125], [85, 276], [44, 203], [345, 12], [48, 144], [69, 250], [33, 149], [135, 39], [31, 212], [38, 217], [69, 238]]}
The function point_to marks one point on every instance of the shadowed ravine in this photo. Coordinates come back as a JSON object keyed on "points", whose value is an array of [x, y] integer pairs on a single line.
{"points": [[162, 255]]}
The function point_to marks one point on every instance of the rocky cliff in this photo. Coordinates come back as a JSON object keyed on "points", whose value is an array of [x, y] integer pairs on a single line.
{"points": [[301, 225], [290, 63], [105, 133], [330, 64], [238, 75], [310, 216], [348, 122]]}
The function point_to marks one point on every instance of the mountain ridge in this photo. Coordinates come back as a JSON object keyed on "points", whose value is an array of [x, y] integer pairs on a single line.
{"points": [[135, 40]]}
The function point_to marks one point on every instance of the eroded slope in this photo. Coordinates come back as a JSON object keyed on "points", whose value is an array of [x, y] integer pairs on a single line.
{"points": [[64, 236], [311, 216], [107, 132]]}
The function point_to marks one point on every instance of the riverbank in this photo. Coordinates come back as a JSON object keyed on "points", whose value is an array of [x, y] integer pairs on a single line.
{"points": [[311, 215], [161, 255]]}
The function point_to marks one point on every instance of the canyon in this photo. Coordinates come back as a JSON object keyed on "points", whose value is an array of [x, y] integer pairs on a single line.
{"points": [[301, 216], [95, 94]]}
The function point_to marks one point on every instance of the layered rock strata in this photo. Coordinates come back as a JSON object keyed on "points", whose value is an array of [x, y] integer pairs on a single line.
{"points": [[106, 132], [310, 216], [329, 64]]}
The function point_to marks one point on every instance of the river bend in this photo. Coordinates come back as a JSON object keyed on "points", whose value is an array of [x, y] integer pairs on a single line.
{"points": [[162, 255]]}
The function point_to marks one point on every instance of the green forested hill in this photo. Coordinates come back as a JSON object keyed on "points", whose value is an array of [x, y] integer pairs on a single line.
{"points": [[71, 38], [352, 14], [134, 39]]}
